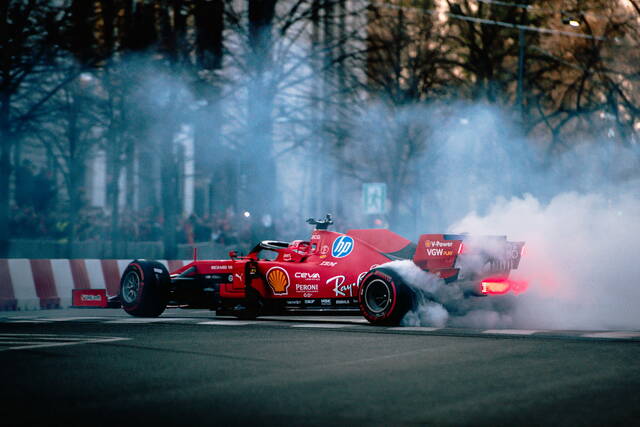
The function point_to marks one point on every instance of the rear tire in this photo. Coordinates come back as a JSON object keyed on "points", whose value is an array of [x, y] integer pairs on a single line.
{"points": [[144, 288], [384, 298]]}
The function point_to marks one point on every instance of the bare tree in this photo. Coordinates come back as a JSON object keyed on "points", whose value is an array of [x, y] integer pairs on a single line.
{"points": [[28, 54], [401, 67], [591, 92], [284, 56]]}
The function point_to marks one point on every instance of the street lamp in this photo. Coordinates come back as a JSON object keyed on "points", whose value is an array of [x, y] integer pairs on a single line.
{"points": [[568, 19]]}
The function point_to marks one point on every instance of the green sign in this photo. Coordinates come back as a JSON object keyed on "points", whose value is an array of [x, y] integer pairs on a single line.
{"points": [[374, 197]]}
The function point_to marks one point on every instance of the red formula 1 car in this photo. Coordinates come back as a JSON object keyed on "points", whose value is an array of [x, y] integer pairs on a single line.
{"points": [[332, 272]]}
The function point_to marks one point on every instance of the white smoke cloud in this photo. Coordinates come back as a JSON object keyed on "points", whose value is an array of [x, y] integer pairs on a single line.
{"points": [[580, 262], [431, 294], [580, 258], [577, 209], [439, 304]]}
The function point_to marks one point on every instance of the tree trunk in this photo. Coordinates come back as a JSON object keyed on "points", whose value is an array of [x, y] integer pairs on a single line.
{"points": [[115, 134], [114, 169], [329, 194], [209, 164], [313, 195], [131, 186], [209, 22], [76, 167], [5, 173], [207, 145], [5, 132], [261, 170], [170, 192]]}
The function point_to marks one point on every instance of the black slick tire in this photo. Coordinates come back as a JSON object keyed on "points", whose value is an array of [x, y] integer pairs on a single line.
{"points": [[144, 288], [384, 298]]}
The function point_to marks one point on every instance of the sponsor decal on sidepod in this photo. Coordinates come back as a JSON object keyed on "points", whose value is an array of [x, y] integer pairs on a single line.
{"points": [[306, 287], [328, 264], [307, 276], [342, 247], [278, 280], [340, 288]]}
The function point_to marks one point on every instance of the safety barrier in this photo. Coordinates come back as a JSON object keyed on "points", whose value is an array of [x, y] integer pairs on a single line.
{"points": [[104, 249], [32, 284]]}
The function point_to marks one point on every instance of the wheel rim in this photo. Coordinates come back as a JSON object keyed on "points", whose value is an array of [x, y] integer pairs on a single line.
{"points": [[377, 296], [130, 287]]}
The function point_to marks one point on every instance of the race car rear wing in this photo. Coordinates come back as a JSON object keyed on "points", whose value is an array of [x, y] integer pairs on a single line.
{"points": [[467, 257]]}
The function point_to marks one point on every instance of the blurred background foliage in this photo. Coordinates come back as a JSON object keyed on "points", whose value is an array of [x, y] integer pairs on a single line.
{"points": [[186, 121]]}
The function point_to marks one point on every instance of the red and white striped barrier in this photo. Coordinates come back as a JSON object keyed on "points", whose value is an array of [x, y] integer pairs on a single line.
{"points": [[31, 284]]}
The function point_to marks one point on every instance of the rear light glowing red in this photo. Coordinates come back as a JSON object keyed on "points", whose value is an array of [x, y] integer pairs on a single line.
{"points": [[495, 286], [461, 248], [499, 286]]}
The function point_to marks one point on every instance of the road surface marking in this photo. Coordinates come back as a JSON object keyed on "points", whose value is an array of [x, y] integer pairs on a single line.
{"points": [[332, 319], [56, 339], [28, 335], [414, 328], [28, 321], [511, 331], [613, 334], [60, 344], [227, 323], [323, 325], [51, 341], [21, 317], [69, 319], [151, 320]]}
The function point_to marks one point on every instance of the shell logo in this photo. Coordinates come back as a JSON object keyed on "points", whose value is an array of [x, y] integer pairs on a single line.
{"points": [[278, 280], [427, 243]]}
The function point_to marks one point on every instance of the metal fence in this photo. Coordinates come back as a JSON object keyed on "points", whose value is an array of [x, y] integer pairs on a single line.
{"points": [[50, 249]]}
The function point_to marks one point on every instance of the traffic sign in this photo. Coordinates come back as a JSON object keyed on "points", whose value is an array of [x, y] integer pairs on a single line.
{"points": [[374, 197]]}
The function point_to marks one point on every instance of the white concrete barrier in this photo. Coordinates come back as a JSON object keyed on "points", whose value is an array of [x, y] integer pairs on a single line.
{"points": [[31, 284]]}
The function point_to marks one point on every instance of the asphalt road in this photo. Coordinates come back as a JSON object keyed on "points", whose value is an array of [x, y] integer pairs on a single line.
{"points": [[87, 367]]}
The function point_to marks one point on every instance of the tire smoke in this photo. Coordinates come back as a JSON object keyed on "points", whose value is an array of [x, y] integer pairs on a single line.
{"points": [[579, 258], [580, 264], [440, 304]]}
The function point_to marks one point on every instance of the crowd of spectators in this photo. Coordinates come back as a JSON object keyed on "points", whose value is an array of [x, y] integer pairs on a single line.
{"points": [[35, 197], [94, 223], [36, 214]]}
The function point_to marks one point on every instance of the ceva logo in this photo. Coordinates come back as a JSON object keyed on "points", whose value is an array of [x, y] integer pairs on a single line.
{"points": [[342, 247]]}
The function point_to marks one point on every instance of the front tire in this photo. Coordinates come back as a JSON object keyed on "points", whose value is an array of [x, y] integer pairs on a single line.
{"points": [[384, 298], [144, 288]]}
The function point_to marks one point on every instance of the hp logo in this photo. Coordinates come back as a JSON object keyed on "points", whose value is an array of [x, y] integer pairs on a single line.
{"points": [[342, 247]]}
